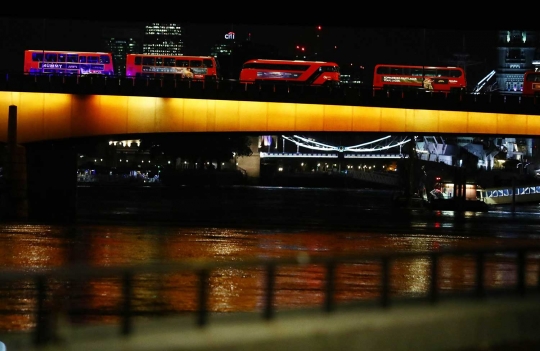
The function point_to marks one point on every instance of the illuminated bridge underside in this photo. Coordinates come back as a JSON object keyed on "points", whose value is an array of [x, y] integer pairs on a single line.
{"points": [[48, 116], [330, 155]]}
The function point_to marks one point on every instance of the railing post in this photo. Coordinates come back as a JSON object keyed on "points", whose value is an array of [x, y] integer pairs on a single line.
{"points": [[385, 281], [127, 289], [202, 311], [434, 278], [480, 292], [521, 265], [270, 281], [330, 286], [41, 332]]}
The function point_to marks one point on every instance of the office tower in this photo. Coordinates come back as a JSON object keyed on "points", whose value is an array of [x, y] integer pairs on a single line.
{"points": [[120, 42], [163, 39]]}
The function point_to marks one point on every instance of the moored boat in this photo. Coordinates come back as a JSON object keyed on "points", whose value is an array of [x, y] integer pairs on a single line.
{"points": [[505, 194]]}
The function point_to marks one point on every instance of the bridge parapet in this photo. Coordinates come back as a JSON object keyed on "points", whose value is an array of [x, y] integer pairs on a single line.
{"points": [[234, 90]]}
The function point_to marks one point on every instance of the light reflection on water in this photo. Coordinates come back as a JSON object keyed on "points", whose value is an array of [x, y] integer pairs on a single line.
{"points": [[363, 228]]}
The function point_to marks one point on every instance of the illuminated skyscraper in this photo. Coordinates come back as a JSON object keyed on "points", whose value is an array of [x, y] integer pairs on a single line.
{"points": [[163, 39], [120, 42]]}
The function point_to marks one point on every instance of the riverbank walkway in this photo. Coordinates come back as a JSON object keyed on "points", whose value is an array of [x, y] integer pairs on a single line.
{"points": [[499, 323]]}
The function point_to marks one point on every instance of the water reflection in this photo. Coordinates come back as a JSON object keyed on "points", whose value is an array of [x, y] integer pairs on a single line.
{"points": [[342, 228]]}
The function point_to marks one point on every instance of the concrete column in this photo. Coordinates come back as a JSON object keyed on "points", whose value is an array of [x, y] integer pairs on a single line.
{"points": [[15, 201]]}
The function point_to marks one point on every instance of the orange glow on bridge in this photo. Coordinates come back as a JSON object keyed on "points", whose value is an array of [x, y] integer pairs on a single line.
{"points": [[48, 116]]}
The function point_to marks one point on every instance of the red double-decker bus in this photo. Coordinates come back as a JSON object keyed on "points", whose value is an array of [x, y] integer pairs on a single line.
{"points": [[294, 71], [166, 66], [67, 62], [531, 83], [446, 79]]}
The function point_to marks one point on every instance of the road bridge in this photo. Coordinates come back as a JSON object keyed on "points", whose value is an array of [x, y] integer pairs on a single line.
{"points": [[53, 108]]}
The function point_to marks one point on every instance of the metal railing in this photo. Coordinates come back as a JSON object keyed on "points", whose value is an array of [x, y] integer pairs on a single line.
{"points": [[233, 90], [524, 258]]}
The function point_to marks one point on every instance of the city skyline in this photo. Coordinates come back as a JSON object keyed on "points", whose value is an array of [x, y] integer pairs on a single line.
{"points": [[357, 45], [353, 44]]}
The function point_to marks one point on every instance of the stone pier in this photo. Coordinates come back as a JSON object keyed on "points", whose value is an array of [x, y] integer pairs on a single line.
{"points": [[14, 197]]}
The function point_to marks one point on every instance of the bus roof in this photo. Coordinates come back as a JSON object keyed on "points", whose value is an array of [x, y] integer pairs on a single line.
{"points": [[70, 52], [180, 56], [289, 61], [415, 66]]}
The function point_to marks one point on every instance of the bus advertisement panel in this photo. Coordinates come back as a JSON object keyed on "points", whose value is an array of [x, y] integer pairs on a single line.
{"points": [[290, 71], [67, 62], [431, 78]]}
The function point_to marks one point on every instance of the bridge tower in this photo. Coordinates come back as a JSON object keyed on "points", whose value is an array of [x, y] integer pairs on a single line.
{"points": [[516, 51]]}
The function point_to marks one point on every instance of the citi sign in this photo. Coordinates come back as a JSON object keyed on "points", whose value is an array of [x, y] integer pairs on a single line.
{"points": [[229, 35]]}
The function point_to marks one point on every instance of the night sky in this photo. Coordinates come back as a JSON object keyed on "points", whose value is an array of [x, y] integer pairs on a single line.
{"points": [[360, 45]]}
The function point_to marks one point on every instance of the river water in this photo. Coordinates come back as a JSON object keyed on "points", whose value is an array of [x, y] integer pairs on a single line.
{"points": [[121, 225]]}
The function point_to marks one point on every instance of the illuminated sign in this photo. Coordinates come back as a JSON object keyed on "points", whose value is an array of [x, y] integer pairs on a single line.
{"points": [[440, 81], [229, 35], [177, 70], [278, 75], [82, 66], [408, 80]]}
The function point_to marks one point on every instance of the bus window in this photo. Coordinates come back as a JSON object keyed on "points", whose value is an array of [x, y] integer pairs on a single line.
{"points": [[61, 57], [138, 60], [533, 78], [383, 70], [416, 72], [72, 58], [159, 61], [82, 59], [149, 61], [195, 63], [430, 73], [182, 63], [37, 57], [208, 63], [104, 59], [92, 59], [51, 57], [169, 62], [396, 70], [328, 69]]}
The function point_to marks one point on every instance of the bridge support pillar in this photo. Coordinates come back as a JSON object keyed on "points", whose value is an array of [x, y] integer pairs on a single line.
{"points": [[252, 164], [14, 204], [52, 182]]}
